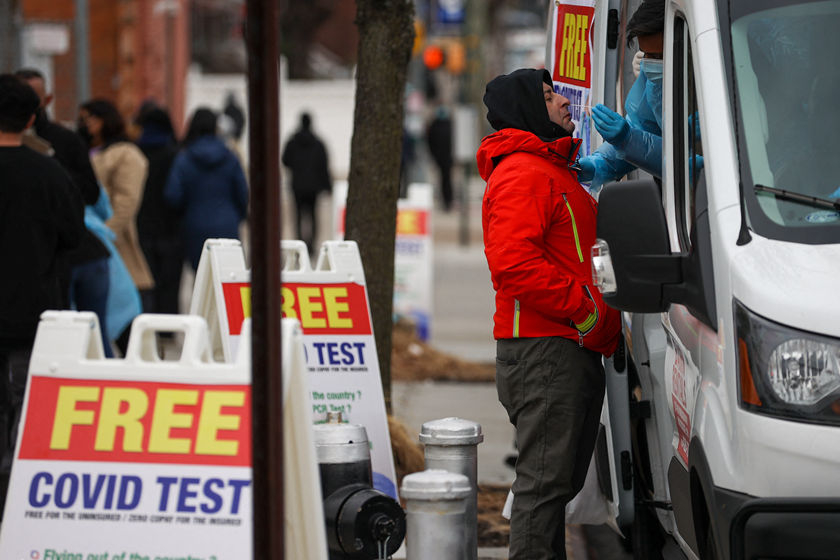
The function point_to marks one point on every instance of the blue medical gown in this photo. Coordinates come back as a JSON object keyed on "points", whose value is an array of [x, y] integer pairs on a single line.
{"points": [[641, 147]]}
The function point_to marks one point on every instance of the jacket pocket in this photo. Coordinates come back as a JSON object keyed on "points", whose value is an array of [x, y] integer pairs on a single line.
{"points": [[589, 324]]}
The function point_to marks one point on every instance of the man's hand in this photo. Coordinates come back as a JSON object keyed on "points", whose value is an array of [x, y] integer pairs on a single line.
{"points": [[612, 126]]}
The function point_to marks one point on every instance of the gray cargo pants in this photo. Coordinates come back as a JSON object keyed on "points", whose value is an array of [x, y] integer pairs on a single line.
{"points": [[552, 390]]}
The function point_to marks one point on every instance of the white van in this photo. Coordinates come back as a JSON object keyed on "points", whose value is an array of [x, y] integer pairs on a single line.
{"points": [[725, 407]]}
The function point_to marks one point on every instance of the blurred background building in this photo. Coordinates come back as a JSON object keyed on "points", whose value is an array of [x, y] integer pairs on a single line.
{"points": [[186, 53]]}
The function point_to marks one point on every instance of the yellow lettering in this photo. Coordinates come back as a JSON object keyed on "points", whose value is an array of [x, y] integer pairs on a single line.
{"points": [[212, 420], [584, 42], [334, 307], [568, 40], [287, 297], [165, 419], [576, 55], [66, 415], [245, 294], [309, 304], [110, 418]]}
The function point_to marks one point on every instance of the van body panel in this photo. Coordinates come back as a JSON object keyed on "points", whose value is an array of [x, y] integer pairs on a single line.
{"points": [[783, 458], [798, 287]]}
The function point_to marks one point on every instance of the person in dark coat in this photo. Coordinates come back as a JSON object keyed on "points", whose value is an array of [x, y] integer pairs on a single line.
{"points": [[207, 185], [306, 157], [439, 137], [85, 282], [41, 217], [157, 223]]}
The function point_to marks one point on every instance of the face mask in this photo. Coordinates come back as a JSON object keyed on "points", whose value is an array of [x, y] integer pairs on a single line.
{"points": [[652, 69]]}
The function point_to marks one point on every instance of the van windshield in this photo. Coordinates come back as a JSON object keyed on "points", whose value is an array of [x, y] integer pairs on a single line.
{"points": [[787, 72]]}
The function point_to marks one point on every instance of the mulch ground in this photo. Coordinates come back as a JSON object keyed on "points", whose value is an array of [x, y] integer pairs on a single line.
{"points": [[414, 360]]}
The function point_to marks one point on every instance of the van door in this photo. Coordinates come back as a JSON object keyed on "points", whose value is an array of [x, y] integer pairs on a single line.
{"points": [[691, 338]]}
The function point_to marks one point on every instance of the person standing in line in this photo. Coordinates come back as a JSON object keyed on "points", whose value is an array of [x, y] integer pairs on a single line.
{"points": [[439, 138], [157, 224], [121, 169], [306, 158], [207, 186], [87, 282], [551, 324], [41, 218]]}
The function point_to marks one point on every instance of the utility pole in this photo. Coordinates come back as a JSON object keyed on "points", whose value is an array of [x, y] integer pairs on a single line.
{"points": [[81, 32], [261, 30]]}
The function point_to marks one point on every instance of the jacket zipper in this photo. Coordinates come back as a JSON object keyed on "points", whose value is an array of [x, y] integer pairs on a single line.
{"points": [[574, 227], [516, 318]]}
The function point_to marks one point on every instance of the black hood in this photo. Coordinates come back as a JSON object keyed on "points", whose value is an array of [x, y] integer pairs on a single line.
{"points": [[516, 100]]}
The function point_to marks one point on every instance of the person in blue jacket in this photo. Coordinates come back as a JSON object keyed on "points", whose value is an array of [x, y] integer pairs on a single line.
{"points": [[207, 185], [634, 141]]}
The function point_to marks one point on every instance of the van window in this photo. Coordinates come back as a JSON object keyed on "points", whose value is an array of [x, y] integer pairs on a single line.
{"points": [[787, 79], [688, 143]]}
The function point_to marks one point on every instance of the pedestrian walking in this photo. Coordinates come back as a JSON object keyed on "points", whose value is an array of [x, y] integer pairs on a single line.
{"points": [[41, 218], [158, 225], [121, 169], [85, 283], [551, 325], [439, 138], [306, 158], [207, 186]]}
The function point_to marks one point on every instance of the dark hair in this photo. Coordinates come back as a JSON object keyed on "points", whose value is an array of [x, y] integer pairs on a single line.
{"points": [[648, 19], [154, 117], [18, 102], [202, 123], [113, 125], [305, 120], [29, 74]]}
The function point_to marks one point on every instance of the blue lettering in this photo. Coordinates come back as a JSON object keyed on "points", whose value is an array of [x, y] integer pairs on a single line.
{"points": [[237, 485], [109, 492], [333, 352], [186, 493], [72, 490], [137, 487], [166, 482], [319, 346], [34, 500], [89, 497], [212, 495]]}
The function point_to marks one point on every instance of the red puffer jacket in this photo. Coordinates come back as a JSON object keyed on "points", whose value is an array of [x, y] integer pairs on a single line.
{"points": [[539, 226]]}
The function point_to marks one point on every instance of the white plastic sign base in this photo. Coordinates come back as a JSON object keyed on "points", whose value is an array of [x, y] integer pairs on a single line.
{"points": [[130, 459]]}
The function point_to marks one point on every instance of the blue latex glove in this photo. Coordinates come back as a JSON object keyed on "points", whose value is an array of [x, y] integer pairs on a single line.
{"points": [[835, 194], [587, 169], [612, 126]]}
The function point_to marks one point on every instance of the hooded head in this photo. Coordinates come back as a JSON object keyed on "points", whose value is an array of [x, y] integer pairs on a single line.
{"points": [[516, 100]]}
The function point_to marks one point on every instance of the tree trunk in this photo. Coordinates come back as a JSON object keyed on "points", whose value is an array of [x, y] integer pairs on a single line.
{"points": [[386, 35]]}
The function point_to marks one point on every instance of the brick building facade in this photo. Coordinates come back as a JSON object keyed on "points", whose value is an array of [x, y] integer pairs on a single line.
{"points": [[139, 49]]}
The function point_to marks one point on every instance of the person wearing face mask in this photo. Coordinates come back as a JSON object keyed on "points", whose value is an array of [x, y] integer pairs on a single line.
{"points": [[551, 324], [633, 141]]}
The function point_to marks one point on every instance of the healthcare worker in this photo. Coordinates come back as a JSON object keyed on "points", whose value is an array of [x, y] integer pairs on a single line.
{"points": [[634, 141]]}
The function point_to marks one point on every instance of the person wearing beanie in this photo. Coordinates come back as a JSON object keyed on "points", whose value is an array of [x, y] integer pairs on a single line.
{"points": [[550, 324]]}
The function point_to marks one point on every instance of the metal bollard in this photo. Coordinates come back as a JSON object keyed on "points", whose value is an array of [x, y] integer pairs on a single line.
{"points": [[451, 444], [436, 510]]}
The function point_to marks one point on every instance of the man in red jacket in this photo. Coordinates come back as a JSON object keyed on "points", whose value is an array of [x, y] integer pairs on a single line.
{"points": [[551, 324]]}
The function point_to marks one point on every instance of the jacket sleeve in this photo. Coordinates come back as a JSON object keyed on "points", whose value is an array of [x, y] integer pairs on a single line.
{"points": [[69, 212], [173, 192], [518, 213], [127, 180]]}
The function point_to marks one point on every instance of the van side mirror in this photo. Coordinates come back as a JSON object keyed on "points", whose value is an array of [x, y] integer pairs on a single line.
{"points": [[631, 221]]}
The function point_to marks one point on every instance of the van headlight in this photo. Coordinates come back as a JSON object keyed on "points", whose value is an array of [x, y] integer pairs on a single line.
{"points": [[787, 372]]}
